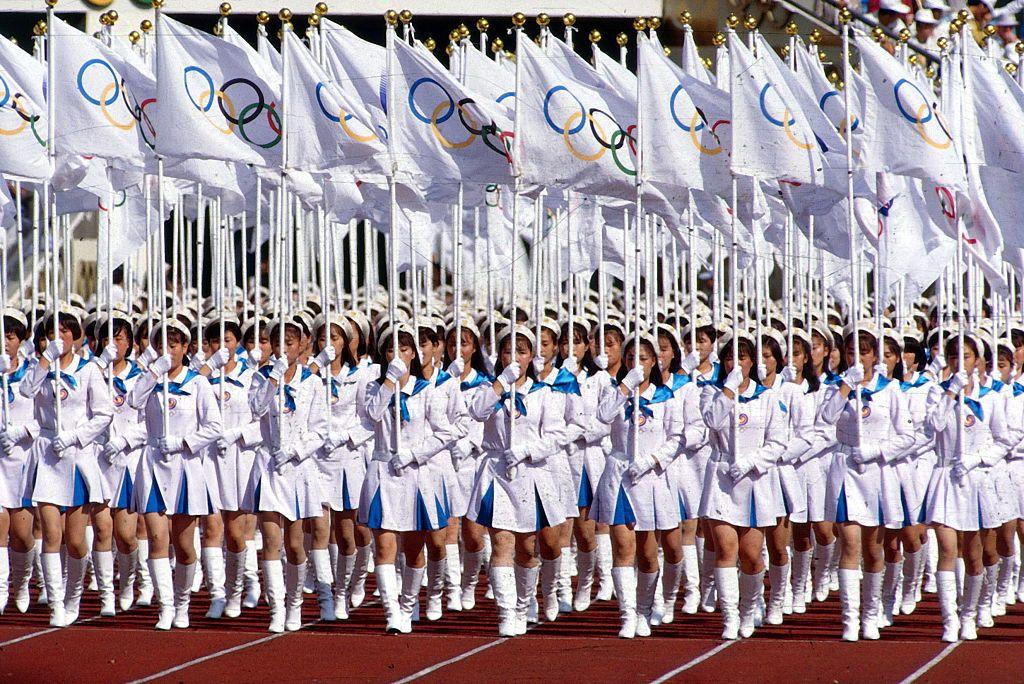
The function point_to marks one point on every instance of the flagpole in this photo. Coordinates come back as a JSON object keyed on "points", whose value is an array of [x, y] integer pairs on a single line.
{"points": [[391, 19], [518, 19], [283, 214], [732, 21], [639, 24], [50, 219], [964, 35]]}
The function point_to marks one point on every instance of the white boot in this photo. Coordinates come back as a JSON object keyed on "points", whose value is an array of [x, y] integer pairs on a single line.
{"points": [[234, 582], [969, 607], [198, 577], [691, 583], [503, 581], [294, 586], [387, 583], [526, 594], [823, 554], [1003, 580], [889, 607], [142, 572], [646, 587], [911, 581], [273, 576], [324, 575], [184, 578], [21, 574], [605, 585], [163, 585], [471, 562], [213, 571], [728, 589], [342, 577], [5, 576], [945, 583], [73, 588], [625, 589], [566, 570], [751, 589], [53, 577], [988, 593], [436, 573], [126, 564], [871, 593], [801, 567], [778, 577], [849, 599], [103, 570], [357, 587], [708, 573], [37, 569], [672, 575], [453, 577], [548, 587], [931, 562], [409, 602], [252, 578], [585, 561]]}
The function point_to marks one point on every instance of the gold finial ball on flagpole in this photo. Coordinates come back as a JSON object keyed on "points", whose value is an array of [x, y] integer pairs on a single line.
{"points": [[313, 20], [668, 53], [430, 44], [104, 20], [405, 16], [622, 40], [639, 24], [942, 43], [904, 35], [448, 50], [146, 25], [708, 63], [913, 59], [51, 3], [815, 37], [134, 37], [877, 33], [964, 16], [749, 22], [463, 31], [718, 39], [594, 36], [321, 9], [39, 29], [543, 20], [930, 71], [453, 35], [569, 19], [685, 17], [285, 14], [157, 4], [1011, 68], [822, 57], [225, 9], [518, 19], [391, 17], [262, 17], [784, 51], [792, 29], [990, 30], [654, 23], [482, 25], [845, 15], [732, 21], [113, 16], [497, 45], [1019, 47]]}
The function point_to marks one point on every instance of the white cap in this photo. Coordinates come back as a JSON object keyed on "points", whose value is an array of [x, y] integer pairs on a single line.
{"points": [[935, 5], [895, 6], [925, 16], [1004, 19]]}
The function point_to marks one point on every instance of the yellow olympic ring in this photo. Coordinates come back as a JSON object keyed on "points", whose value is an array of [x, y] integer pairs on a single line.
{"points": [[231, 110], [789, 132], [437, 133], [14, 131], [924, 136], [103, 108], [711, 151], [575, 116], [348, 131]]}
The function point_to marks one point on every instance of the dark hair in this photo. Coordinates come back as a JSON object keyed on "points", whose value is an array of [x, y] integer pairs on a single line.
{"points": [[15, 327], [813, 383], [141, 332], [499, 366], [746, 347], [655, 377], [120, 325], [212, 330], [894, 348], [476, 360], [709, 332], [772, 345], [1016, 337], [427, 334], [953, 346], [404, 340], [676, 363], [176, 336], [275, 334], [362, 343], [580, 330], [913, 346], [346, 353]]}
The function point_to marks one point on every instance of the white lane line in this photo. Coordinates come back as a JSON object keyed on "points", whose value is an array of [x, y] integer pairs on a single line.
{"points": [[920, 672], [44, 632], [451, 661], [695, 662]]}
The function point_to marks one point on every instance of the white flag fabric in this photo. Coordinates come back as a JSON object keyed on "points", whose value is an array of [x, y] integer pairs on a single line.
{"points": [[690, 60], [213, 102], [358, 67], [487, 78], [28, 72], [997, 102], [22, 130]]}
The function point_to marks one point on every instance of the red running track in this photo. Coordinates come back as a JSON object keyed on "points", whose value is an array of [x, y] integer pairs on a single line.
{"points": [[463, 647]]}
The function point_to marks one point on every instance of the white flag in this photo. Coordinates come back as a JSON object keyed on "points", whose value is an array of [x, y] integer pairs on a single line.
{"points": [[22, 130]]}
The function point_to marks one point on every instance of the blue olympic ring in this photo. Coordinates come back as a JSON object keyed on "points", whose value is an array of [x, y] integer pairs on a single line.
{"points": [[209, 81], [912, 118], [113, 77], [335, 119], [505, 96], [7, 92], [764, 109], [829, 95], [547, 116], [427, 119], [672, 111]]}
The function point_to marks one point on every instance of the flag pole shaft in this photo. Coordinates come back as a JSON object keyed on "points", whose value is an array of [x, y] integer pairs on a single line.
{"points": [[850, 223]]}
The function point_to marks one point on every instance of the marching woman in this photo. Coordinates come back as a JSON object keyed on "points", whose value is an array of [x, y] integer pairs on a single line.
{"points": [[516, 496], [171, 486], [62, 468], [20, 430], [402, 502], [229, 465], [634, 496], [685, 474], [742, 494], [119, 460], [470, 368], [960, 502], [854, 495], [342, 464], [284, 486]]}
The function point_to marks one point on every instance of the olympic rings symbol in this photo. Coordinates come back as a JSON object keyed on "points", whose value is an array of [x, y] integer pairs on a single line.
{"points": [[99, 85], [787, 122], [853, 122], [591, 118], [119, 199], [199, 88], [26, 120], [697, 123], [920, 112], [473, 121], [342, 118]]}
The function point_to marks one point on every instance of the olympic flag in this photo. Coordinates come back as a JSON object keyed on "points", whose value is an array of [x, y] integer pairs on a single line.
{"points": [[22, 131]]}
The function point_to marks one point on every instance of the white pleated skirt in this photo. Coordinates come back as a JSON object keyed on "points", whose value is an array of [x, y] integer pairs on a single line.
{"points": [[814, 475], [686, 475], [851, 496], [12, 476], [341, 478], [175, 487], [648, 504], [527, 503], [406, 501], [966, 505], [295, 492], [586, 466], [73, 480], [754, 501]]}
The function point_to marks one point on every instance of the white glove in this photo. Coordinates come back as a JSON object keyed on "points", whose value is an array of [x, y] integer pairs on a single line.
{"points": [[601, 361], [219, 359], [538, 364], [509, 375], [860, 455], [739, 470], [570, 365], [713, 357], [54, 350], [762, 371], [734, 380], [5, 363], [160, 367], [227, 439], [958, 382], [396, 370], [197, 361], [640, 466], [11, 436], [255, 355], [459, 455], [690, 363], [402, 458], [171, 445], [520, 453], [63, 441], [959, 472], [853, 376], [882, 369], [326, 357], [112, 448], [456, 367], [492, 361], [789, 373], [633, 378], [936, 366], [280, 459], [147, 357], [279, 369], [107, 356], [26, 349]]}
